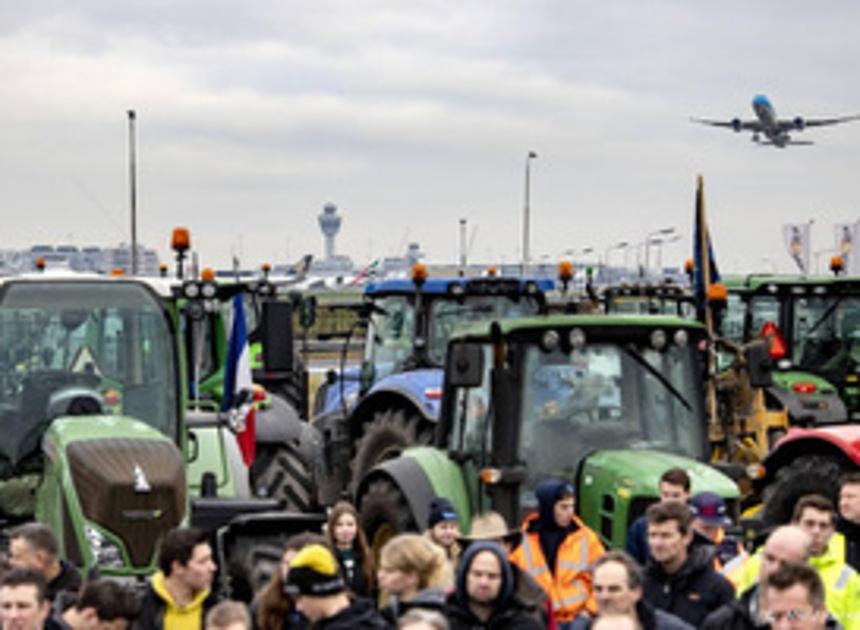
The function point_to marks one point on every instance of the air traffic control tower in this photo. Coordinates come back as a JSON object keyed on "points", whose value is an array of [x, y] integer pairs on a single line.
{"points": [[330, 226]]}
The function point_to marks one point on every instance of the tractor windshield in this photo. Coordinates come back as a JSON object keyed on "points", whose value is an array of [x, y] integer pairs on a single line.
{"points": [[826, 333], [446, 315], [104, 346], [393, 329], [608, 396]]}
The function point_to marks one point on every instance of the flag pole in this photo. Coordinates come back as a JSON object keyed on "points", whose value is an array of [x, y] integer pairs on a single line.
{"points": [[711, 394]]}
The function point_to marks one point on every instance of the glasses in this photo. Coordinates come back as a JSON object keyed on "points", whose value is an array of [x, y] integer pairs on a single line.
{"points": [[787, 615]]}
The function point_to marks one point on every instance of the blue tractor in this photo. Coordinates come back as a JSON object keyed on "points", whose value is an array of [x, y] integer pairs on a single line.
{"points": [[372, 412]]}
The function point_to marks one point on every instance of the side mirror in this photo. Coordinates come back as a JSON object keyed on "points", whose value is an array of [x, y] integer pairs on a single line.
{"points": [[276, 328], [759, 364], [308, 312], [465, 365]]}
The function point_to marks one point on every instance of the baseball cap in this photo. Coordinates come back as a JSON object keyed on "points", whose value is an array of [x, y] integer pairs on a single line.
{"points": [[710, 508]]}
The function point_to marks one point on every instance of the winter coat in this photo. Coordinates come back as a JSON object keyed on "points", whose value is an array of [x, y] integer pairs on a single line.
{"points": [[649, 619], [507, 616], [429, 599], [68, 579], [359, 615], [851, 533], [692, 592], [739, 614], [637, 541]]}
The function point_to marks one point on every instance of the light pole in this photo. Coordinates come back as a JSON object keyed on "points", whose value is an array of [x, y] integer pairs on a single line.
{"points": [[659, 242], [525, 265], [662, 232], [132, 183], [620, 245]]}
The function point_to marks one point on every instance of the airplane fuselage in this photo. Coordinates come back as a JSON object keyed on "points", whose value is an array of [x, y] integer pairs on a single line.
{"points": [[766, 115]]}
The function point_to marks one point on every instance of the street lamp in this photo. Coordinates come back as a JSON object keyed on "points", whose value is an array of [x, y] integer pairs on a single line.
{"points": [[659, 242], [609, 249], [662, 232], [525, 265]]}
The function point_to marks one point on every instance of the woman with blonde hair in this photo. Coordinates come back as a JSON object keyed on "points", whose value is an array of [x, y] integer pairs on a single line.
{"points": [[347, 539], [413, 572]]}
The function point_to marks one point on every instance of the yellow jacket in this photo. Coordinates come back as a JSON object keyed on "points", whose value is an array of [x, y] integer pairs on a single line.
{"points": [[841, 582]]}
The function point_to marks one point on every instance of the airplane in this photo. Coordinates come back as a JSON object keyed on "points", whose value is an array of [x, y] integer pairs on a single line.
{"points": [[775, 130]]}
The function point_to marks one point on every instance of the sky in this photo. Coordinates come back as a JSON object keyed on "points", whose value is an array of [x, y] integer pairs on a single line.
{"points": [[412, 115]]}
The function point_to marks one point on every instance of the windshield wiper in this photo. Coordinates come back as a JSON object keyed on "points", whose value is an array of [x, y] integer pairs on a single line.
{"points": [[827, 313], [665, 382]]}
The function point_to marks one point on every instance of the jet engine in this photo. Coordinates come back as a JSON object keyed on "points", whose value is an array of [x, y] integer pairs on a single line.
{"points": [[736, 124], [799, 123]]}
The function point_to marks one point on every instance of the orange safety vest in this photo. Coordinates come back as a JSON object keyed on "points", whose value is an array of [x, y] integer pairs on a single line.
{"points": [[570, 586]]}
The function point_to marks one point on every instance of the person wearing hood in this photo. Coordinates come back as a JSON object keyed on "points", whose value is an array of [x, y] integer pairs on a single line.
{"points": [[681, 579], [558, 550], [483, 598], [491, 527], [315, 582]]}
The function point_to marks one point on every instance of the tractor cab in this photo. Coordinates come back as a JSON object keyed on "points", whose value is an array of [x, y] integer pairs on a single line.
{"points": [[812, 326]]}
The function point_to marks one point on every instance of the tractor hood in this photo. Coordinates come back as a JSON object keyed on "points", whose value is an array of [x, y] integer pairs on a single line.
{"points": [[641, 471], [615, 487], [120, 476], [423, 387]]}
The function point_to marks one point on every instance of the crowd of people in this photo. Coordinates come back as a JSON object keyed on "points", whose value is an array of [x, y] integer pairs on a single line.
{"points": [[680, 570]]}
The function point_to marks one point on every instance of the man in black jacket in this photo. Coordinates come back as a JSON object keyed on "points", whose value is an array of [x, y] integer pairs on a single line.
{"points": [[679, 580], [491, 527], [484, 594], [34, 546], [849, 517], [315, 582]]}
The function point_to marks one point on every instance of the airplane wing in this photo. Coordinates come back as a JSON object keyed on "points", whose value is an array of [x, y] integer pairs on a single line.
{"points": [[736, 124], [802, 123]]}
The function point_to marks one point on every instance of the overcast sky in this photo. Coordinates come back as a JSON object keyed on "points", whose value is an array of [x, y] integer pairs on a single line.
{"points": [[410, 115]]}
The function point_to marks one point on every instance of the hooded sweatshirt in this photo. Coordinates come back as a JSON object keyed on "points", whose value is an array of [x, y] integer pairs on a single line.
{"points": [[551, 536], [173, 616], [506, 613]]}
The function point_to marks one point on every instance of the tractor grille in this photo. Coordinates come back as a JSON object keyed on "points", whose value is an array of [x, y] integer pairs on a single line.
{"points": [[133, 488]]}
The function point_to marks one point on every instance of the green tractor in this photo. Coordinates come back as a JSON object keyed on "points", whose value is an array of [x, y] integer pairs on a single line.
{"points": [[99, 443], [606, 402], [813, 327]]}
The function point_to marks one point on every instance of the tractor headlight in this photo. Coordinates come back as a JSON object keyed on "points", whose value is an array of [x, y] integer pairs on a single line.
{"points": [[191, 290], [105, 552]]}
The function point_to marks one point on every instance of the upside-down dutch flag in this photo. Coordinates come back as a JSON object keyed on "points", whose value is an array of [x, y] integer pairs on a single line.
{"points": [[238, 398]]}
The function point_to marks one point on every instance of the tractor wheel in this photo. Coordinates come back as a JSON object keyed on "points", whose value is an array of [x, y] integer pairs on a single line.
{"points": [[385, 437], [810, 474], [281, 472], [251, 564], [384, 513]]}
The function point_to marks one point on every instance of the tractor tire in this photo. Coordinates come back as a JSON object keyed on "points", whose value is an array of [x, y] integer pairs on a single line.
{"points": [[386, 436], [251, 564], [282, 472], [809, 474], [384, 513]]}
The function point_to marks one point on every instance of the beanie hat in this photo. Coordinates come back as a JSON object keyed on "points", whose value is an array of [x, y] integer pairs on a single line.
{"points": [[314, 572], [441, 509]]}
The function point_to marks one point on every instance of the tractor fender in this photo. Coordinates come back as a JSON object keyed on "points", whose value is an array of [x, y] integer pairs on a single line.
{"points": [[410, 478], [824, 407], [384, 399], [842, 441], [277, 423]]}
